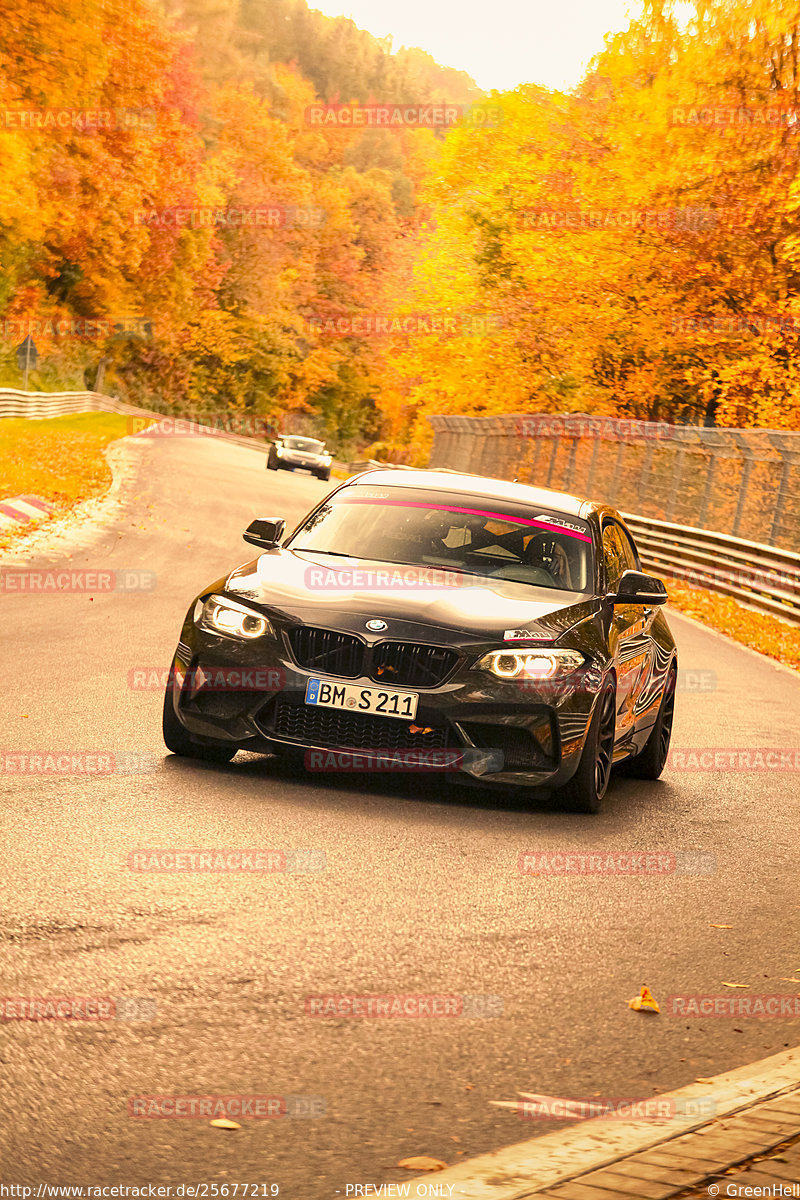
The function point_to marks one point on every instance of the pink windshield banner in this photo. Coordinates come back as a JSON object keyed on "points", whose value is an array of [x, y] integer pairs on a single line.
{"points": [[470, 512]]}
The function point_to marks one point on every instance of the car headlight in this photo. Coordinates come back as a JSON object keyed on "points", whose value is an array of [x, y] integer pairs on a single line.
{"points": [[327, 458], [219, 615], [278, 451], [531, 664]]}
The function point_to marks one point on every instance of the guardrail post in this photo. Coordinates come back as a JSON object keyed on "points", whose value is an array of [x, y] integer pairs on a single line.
{"points": [[573, 454], [790, 458], [748, 458], [646, 467], [710, 468], [537, 442], [617, 469], [677, 476], [556, 444], [593, 465]]}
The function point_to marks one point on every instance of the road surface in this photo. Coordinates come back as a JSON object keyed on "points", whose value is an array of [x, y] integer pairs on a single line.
{"points": [[422, 894]]}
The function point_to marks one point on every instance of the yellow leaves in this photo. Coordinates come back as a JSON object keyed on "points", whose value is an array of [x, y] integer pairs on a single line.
{"points": [[769, 635], [644, 1002], [590, 314], [422, 1163]]}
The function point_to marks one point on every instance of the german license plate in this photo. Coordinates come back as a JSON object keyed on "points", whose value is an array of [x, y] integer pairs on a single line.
{"points": [[380, 702]]}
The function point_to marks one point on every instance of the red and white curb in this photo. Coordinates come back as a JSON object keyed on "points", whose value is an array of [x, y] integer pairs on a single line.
{"points": [[23, 510]]}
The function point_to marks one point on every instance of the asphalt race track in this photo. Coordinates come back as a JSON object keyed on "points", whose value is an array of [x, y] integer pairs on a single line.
{"points": [[422, 894]]}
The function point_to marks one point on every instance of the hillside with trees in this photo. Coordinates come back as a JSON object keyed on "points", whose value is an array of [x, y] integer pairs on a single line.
{"points": [[630, 248]]}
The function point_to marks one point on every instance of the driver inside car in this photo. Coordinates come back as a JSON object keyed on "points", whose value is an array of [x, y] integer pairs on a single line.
{"points": [[547, 554]]}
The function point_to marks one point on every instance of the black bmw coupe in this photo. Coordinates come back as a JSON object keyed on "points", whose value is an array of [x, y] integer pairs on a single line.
{"points": [[504, 633]]}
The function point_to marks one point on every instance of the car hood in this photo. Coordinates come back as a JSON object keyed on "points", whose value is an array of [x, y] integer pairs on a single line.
{"points": [[484, 610]]}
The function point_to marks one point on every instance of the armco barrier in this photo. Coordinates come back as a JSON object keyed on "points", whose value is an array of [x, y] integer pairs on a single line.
{"points": [[40, 405], [760, 577]]}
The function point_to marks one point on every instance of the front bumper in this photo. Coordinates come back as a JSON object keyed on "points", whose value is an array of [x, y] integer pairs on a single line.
{"points": [[302, 464], [252, 695]]}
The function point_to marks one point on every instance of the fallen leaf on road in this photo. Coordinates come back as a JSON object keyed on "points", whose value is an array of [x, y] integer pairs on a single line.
{"points": [[224, 1123], [422, 1163], [644, 1002], [724, 984], [712, 926]]}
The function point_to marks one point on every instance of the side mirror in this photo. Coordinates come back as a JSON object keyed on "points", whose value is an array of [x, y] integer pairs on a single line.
{"points": [[265, 532], [634, 587]]}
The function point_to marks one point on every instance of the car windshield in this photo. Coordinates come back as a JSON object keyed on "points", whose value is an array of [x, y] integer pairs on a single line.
{"points": [[311, 445], [472, 534]]}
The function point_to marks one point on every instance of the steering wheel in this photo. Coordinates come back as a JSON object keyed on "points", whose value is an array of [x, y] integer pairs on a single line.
{"points": [[543, 550]]}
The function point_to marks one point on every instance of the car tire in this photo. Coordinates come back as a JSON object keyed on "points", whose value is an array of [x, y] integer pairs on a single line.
{"points": [[271, 462], [323, 475], [651, 760], [585, 791], [177, 739]]}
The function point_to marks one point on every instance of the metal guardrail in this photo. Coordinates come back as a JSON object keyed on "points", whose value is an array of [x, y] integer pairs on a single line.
{"points": [[760, 577], [41, 405]]}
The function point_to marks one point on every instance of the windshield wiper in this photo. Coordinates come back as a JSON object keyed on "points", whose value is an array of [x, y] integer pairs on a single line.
{"points": [[332, 553], [389, 562]]}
